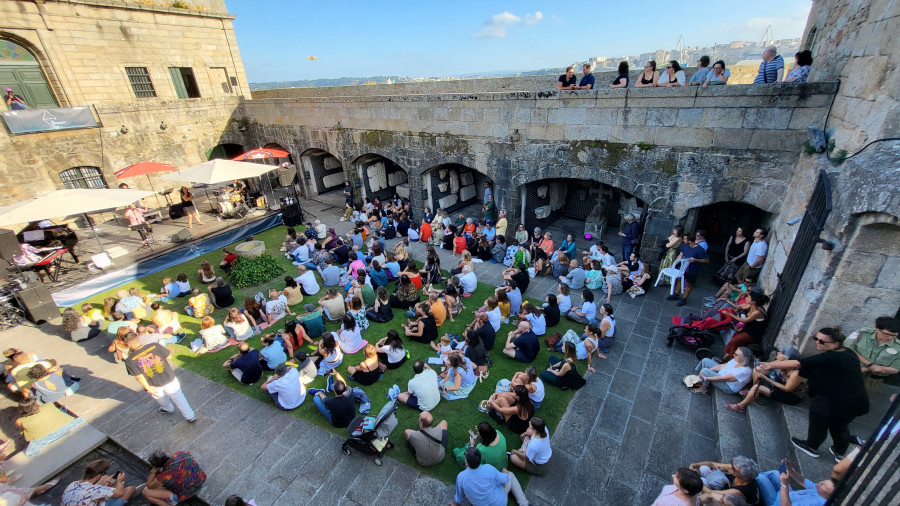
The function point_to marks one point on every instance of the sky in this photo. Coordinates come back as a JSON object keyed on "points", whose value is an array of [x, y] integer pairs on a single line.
{"points": [[354, 38]]}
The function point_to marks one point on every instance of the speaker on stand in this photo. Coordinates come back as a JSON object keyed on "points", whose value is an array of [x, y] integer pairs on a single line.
{"points": [[9, 245], [37, 303], [292, 214]]}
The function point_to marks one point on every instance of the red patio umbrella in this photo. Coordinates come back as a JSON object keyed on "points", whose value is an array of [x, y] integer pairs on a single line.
{"points": [[145, 169], [262, 153]]}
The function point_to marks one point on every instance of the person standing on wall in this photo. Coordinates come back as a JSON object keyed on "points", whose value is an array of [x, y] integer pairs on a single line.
{"points": [[836, 385]]}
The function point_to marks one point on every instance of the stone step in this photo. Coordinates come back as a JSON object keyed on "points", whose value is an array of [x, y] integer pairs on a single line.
{"points": [[734, 436], [56, 456], [770, 434], [796, 421]]}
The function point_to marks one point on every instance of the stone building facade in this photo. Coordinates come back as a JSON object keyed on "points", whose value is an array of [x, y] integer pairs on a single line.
{"points": [[162, 83]]}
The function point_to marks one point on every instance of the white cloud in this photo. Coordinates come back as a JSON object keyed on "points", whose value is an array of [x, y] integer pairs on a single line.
{"points": [[495, 27]]}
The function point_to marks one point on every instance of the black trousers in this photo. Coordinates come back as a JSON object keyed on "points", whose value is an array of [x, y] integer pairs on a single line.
{"points": [[822, 421]]}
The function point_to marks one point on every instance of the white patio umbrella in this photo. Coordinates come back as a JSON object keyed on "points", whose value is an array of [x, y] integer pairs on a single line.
{"points": [[218, 171], [69, 202]]}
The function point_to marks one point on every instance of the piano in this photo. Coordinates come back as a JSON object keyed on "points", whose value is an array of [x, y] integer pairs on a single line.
{"points": [[45, 234]]}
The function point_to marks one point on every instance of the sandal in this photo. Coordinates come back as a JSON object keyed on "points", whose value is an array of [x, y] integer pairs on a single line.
{"points": [[735, 408], [484, 406], [743, 393]]}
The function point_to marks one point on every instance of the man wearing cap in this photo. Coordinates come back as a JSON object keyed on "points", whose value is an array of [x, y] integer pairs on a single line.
{"points": [[244, 365], [13, 101], [306, 368], [878, 350], [285, 387]]}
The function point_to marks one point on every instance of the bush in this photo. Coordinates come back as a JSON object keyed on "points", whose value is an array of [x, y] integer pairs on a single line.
{"points": [[255, 271]]}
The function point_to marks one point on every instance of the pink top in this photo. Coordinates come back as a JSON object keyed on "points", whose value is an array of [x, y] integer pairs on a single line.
{"points": [[135, 216], [668, 498]]}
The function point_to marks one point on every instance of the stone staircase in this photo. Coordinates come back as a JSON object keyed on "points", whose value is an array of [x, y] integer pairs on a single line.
{"points": [[764, 432]]}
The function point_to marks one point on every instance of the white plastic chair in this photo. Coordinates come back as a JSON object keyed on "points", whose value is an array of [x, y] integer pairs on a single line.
{"points": [[673, 273]]}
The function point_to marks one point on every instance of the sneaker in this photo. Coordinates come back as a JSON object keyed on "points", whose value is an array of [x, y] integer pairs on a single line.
{"points": [[329, 384], [673, 297], [681, 302], [801, 445], [192, 420], [857, 440], [314, 391], [297, 263], [163, 411], [837, 456]]}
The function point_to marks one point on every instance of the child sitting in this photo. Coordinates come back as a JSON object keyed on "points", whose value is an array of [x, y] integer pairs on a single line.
{"points": [[443, 350], [169, 290]]}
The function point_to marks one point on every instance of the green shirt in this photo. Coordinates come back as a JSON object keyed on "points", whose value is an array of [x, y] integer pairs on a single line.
{"points": [[368, 295], [866, 344]]}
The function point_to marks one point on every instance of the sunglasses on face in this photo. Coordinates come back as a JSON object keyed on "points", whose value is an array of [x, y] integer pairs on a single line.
{"points": [[822, 341]]}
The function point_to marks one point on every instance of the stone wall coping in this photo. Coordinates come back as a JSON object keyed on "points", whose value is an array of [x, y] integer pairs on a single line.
{"points": [[737, 90], [158, 105], [148, 7]]}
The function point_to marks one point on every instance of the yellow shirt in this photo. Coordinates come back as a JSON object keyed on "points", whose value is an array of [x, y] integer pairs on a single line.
{"points": [[504, 309]]}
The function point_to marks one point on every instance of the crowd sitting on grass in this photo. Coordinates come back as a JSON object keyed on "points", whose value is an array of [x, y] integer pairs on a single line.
{"points": [[360, 280]]}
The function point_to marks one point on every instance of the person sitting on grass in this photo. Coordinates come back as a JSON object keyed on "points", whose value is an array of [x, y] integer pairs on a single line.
{"points": [[514, 293], [381, 311], [514, 409], [532, 383], [244, 365], [340, 409], [428, 444], [285, 387], [491, 310], [787, 387], [534, 455], [563, 373], [206, 273], [184, 286], [424, 328], [358, 312], [468, 281], [213, 336], [535, 317], [307, 280], [306, 368], [329, 354], [238, 326], [390, 350], [272, 352], [173, 479], [255, 314], [491, 444], [277, 306], [422, 390], [199, 305], [96, 487], [349, 337], [369, 370], [166, 321], [227, 263], [292, 291], [119, 321], [169, 290], [459, 379], [333, 305], [551, 310], [311, 320], [484, 484], [293, 336], [522, 343]]}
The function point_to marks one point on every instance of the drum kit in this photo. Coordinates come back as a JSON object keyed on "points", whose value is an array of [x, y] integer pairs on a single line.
{"points": [[231, 205]]}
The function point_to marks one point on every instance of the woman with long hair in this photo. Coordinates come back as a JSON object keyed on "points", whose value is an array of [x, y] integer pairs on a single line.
{"points": [[406, 295], [187, 204], [390, 350], [755, 320], [562, 372], [349, 336], [292, 291], [206, 272], [255, 313], [786, 387], [649, 76], [238, 325], [459, 379], [736, 250], [532, 382], [329, 353], [515, 409]]}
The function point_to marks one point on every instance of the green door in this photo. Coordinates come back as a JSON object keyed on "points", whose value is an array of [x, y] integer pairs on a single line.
{"points": [[28, 82]]}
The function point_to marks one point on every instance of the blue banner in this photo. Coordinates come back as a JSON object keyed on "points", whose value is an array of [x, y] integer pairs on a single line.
{"points": [[76, 294], [27, 121]]}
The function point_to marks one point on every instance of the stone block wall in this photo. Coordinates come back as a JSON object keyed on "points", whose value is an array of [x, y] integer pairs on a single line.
{"points": [[84, 47], [31, 163], [857, 41]]}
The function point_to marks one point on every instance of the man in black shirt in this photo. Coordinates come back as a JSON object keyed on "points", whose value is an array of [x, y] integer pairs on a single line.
{"points": [[341, 253], [522, 343], [220, 294], [340, 409], [245, 365], [482, 330], [150, 367]]}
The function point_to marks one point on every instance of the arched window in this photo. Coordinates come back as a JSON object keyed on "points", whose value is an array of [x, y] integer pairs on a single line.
{"points": [[22, 73], [83, 177]]}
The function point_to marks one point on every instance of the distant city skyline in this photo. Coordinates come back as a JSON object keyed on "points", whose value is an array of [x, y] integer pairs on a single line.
{"points": [[355, 38]]}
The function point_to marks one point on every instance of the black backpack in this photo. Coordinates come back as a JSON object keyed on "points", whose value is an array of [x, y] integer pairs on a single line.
{"points": [[389, 232], [689, 338]]}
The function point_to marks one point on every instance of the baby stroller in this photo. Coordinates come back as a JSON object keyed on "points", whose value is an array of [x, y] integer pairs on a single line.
{"points": [[370, 435], [698, 333]]}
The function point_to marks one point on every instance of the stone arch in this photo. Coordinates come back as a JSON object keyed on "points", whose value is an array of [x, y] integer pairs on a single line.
{"points": [[578, 206], [225, 151], [453, 187], [380, 177], [720, 220], [25, 71], [323, 170]]}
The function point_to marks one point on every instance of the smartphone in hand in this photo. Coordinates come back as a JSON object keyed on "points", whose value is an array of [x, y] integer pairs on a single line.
{"points": [[783, 467]]}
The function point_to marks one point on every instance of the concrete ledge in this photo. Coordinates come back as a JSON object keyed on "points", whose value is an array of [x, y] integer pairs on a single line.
{"points": [[57, 456]]}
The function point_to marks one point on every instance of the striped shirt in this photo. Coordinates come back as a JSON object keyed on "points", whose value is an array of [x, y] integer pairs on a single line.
{"points": [[768, 70]]}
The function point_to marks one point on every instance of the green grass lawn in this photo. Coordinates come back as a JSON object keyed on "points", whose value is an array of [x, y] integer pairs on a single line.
{"points": [[461, 415]]}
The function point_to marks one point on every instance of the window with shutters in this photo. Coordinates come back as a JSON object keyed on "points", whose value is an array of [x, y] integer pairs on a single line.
{"points": [[83, 177], [184, 82], [140, 82]]}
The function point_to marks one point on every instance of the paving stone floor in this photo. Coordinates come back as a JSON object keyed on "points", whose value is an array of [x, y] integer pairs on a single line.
{"points": [[622, 437]]}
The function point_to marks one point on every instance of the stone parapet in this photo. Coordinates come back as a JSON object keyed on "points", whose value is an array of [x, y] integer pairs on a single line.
{"points": [[766, 118]]}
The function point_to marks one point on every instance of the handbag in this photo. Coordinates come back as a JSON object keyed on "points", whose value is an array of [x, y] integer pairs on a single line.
{"points": [[552, 341]]}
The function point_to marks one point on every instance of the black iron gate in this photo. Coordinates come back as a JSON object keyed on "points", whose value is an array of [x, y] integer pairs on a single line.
{"points": [[812, 225]]}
